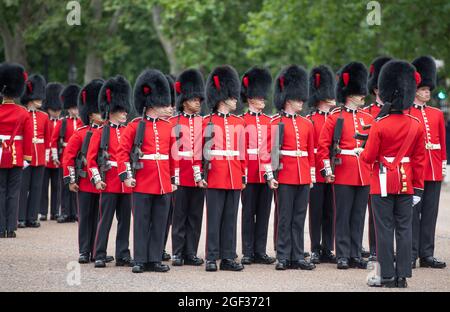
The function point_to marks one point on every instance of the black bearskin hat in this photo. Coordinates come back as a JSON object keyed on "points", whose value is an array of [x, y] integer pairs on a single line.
{"points": [[151, 90], [12, 80], [256, 83], [426, 66], [189, 85], [115, 95], [374, 72], [222, 84], [171, 81], [88, 100], [322, 85], [52, 96], [291, 84], [69, 96], [34, 89], [352, 81]]}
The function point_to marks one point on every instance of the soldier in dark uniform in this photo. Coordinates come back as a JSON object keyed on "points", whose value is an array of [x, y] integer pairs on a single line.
{"points": [[75, 169], [189, 198], [102, 160], [340, 163], [321, 213], [15, 144], [32, 178], [426, 212], [257, 196], [293, 170], [374, 110], [147, 165], [52, 105], [62, 133], [224, 168], [395, 149]]}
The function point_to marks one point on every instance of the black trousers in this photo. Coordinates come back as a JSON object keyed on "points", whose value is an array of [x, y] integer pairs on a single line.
{"points": [[321, 217], [351, 206], [372, 238], [221, 219], [150, 223], [169, 219], [187, 220], [30, 193], [88, 212], [52, 179], [68, 200], [425, 215], [292, 207], [9, 198], [120, 204], [393, 215], [256, 206]]}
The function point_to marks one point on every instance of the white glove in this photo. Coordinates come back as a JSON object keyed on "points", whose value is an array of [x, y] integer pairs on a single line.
{"points": [[313, 175], [444, 168], [25, 164], [416, 200], [358, 151]]}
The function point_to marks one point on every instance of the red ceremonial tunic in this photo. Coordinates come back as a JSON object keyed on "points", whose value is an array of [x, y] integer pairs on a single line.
{"points": [[48, 159], [373, 109], [40, 141], [72, 124], [318, 118]]}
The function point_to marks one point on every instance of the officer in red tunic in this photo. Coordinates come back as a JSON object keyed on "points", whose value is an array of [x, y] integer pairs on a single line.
{"points": [[224, 167], [339, 163], [189, 198], [147, 164], [374, 110], [395, 149], [102, 162], [32, 177], [52, 105], [75, 169], [426, 212], [15, 144], [322, 100], [62, 133], [257, 196], [292, 171]]}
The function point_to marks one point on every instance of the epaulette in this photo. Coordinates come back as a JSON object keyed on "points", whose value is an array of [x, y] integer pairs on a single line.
{"points": [[275, 117], [435, 108], [381, 118], [166, 120], [366, 113], [136, 119], [81, 128], [336, 110], [266, 115], [368, 107], [238, 116], [415, 118]]}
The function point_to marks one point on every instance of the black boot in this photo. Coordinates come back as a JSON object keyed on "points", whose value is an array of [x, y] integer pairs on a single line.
{"points": [[264, 259], [282, 265], [193, 260], [358, 263], [11, 234], [21, 225], [211, 266], [83, 259], [2, 234], [158, 267], [33, 224], [247, 260], [431, 262], [326, 256], [230, 265], [342, 264], [165, 256], [138, 268], [302, 265], [315, 257], [125, 262], [177, 260], [402, 283]]}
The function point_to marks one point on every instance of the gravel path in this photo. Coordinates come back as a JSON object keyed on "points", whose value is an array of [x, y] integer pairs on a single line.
{"points": [[44, 259]]}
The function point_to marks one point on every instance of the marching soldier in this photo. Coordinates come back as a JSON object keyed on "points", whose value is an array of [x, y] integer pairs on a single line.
{"points": [[374, 110], [75, 169], [257, 196], [395, 148], [321, 213], [52, 105], [15, 144], [341, 139], [426, 212], [62, 133], [190, 197], [32, 176], [224, 167], [147, 165], [102, 161], [293, 168]]}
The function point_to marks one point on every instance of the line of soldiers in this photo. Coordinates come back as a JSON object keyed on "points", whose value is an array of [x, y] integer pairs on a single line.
{"points": [[160, 168]]}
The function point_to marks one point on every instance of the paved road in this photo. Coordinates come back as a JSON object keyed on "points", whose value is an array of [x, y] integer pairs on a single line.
{"points": [[43, 260]]}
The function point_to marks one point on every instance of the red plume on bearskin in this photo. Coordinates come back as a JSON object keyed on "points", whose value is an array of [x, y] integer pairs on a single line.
{"points": [[291, 84], [426, 66], [353, 79], [223, 83], [88, 100], [322, 85], [190, 85], [35, 89], [256, 83], [375, 69]]}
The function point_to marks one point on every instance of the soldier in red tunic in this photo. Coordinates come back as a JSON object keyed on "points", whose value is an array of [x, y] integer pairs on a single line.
{"points": [[102, 161], [339, 145], [189, 198], [32, 177], [322, 100], [147, 164], [52, 105], [15, 144], [257, 196], [224, 167], [293, 166], [374, 110], [395, 149], [62, 133], [426, 212], [75, 169]]}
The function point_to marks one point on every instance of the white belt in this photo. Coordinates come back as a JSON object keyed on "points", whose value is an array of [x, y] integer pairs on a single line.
{"points": [[348, 152], [155, 157], [112, 163], [391, 159], [294, 153], [227, 153], [38, 141], [315, 151], [8, 137], [186, 154], [64, 144], [252, 151], [431, 146]]}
